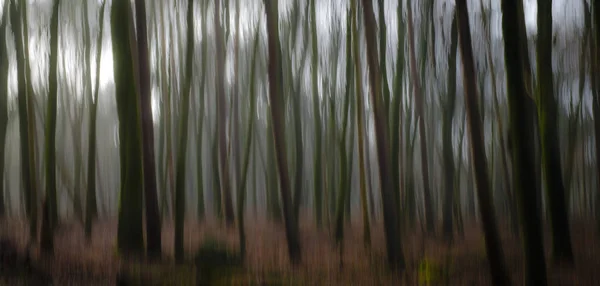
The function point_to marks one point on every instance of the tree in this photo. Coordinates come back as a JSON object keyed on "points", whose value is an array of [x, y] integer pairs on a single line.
{"points": [[91, 206], [221, 120], [276, 108], [418, 95], [183, 137], [548, 122], [390, 209], [247, 147], [522, 148], [596, 99], [448, 110], [344, 186], [490, 229], [47, 240], [26, 174], [153, 234], [130, 237], [318, 172], [3, 99], [200, 120], [360, 126]]}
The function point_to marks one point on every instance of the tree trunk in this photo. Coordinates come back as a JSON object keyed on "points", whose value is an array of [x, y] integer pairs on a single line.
{"points": [[318, 173], [360, 128], [276, 107], [153, 234], [3, 101], [448, 109], [47, 239], [596, 100], [390, 208], [221, 122], [247, 149], [26, 177], [492, 237], [523, 161], [548, 121], [183, 137], [419, 95], [130, 237]]}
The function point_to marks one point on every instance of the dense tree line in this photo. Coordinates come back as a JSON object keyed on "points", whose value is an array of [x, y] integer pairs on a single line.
{"points": [[340, 115]]}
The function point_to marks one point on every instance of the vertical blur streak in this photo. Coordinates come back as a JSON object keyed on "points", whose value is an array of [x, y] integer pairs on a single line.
{"points": [[183, 138], [492, 239], [222, 117], [26, 178], [153, 234], [49, 206], [390, 209], [3, 100], [522, 146], [276, 109]]}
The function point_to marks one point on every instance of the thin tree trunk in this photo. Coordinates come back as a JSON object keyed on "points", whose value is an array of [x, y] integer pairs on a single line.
{"points": [[3, 102], [360, 128], [492, 237], [247, 148], [390, 208], [448, 109], [419, 95], [183, 137], [276, 107], [48, 224], [26, 177], [596, 101], [221, 122], [318, 173]]}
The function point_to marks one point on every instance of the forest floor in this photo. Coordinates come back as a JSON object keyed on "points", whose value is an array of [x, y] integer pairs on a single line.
{"points": [[463, 263]]}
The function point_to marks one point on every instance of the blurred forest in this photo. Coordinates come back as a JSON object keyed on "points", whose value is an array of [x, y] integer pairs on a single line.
{"points": [[299, 142]]}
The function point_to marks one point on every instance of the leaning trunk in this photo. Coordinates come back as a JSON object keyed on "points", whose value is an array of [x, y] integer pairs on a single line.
{"points": [[276, 108], [390, 208]]}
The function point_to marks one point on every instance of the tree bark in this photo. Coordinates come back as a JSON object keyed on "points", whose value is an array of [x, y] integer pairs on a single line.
{"points": [[419, 95], [523, 161], [48, 223], [448, 110], [276, 108], [26, 177], [221, 122], [318, 172], [3, 101], [153, 234], [130, 237], [548, 121], [492, 237], [390, 208]]}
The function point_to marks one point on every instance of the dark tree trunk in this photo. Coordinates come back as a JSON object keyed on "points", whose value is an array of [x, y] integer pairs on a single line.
{"points": [[26, 177], [277, 108], [390, 208], [47, 239], [490, 229], [419, 95], [447, 134], [548, 121], [153, 234], [130, 237], [523, 148], [221, 121]]}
